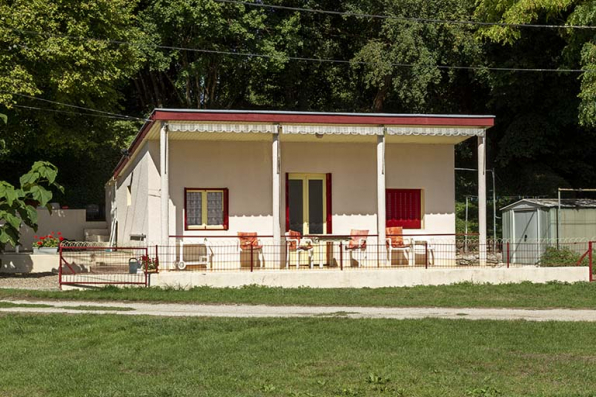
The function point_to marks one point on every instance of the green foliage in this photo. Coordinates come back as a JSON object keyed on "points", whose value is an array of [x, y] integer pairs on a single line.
{"points": [[426, 46], [562, 256], [18, 205], [545, 135]]}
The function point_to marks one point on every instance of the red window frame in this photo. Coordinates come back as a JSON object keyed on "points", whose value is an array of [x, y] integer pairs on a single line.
{"points": [[226, 221], [403, 207]]}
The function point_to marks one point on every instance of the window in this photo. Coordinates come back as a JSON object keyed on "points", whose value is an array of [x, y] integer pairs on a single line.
{"points": [[404, 208], [206, 209]]}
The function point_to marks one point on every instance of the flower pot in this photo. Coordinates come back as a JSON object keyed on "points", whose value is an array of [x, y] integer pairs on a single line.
{"points": [[45, 250]]}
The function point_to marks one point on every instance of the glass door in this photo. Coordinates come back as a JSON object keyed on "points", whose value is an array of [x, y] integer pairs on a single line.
{"points": [[307, 203]]}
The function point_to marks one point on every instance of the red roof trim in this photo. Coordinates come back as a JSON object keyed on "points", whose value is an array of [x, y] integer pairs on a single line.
{"points": [[325, 118]]}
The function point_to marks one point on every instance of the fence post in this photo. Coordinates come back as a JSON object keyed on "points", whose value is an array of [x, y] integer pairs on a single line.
{"points": [[251, 258], [507, 254], [341, 255], [590, 260], [60, 267], [425, 255], [156, 258]]}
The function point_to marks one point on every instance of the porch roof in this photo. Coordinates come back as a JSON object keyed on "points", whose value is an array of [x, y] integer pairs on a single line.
{"points": [[187, 122]]}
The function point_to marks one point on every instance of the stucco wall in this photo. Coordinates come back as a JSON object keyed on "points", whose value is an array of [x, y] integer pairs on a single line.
{"points": [[245, 169], [133, 218], [242, 167], [71, 223], [430, 168], [353, 169]]}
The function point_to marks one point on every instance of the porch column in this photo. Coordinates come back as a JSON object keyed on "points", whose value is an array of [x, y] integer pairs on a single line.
{"points": [[482, 198], [275, 160], [165, 185], [381, 188]]}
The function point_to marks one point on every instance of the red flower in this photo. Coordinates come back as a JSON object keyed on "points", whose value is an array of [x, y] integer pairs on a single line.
{"points": [[39, 243], [36, 237], [59, 234], [42, 237], [61, 238]]}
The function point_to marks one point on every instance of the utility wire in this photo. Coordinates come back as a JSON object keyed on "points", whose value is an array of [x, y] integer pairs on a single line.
{"points": [[305, 59], [123, 117], [114, 115], [407, 19]]}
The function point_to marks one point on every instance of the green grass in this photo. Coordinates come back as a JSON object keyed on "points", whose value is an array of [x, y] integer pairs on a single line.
{"points": [[12, 304], [99, 308], [84, 355], [523, 295]]}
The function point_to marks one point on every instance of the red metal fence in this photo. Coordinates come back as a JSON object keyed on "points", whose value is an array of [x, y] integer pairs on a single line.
{"points": [[96, 265], [89, 265]]}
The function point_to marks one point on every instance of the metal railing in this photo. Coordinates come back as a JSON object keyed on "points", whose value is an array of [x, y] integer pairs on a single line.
{"points": [[89, 264]]}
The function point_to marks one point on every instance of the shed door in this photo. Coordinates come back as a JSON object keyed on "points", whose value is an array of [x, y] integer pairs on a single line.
{"points": [[526, 244]]}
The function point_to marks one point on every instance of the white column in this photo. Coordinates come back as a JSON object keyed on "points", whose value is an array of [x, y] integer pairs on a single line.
{"points": [[165, 186], [275, 161], [482, 198], [381, 188]]}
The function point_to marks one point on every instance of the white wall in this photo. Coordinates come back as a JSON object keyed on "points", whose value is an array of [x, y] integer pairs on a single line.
{"points": [[242, 167], [71, 223], [353, 169], [133, 218], [370, 278], [427, 167], [245, 169]]}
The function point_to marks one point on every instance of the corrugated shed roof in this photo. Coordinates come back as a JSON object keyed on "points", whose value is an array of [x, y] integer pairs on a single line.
{"points": [[554, 203]]}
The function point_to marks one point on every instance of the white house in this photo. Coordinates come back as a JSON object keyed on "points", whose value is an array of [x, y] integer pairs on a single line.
{"points": [[196, 173]]}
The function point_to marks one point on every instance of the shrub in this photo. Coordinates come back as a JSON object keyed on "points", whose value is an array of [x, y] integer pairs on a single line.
{"points": [[562, 256]]}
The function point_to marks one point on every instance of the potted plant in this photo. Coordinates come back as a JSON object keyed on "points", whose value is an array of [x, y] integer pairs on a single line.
{"points": [[47, 244], [149, 264]]}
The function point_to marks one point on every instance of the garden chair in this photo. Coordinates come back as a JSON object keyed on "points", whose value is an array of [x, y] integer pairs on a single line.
{"points": [[357, 243], [295, 243], [395, 242], [249, 242]]}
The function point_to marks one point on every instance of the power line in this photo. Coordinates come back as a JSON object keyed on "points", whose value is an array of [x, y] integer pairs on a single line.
{"points": [[407, 19], [122, 117], [75, 106], [306, 59]]}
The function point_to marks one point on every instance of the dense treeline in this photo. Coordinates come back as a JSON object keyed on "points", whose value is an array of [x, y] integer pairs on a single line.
{"points": [[545, 135]]}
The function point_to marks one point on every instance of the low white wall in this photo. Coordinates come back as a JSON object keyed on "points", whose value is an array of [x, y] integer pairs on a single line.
{"points": [[29, 263], [369, 278], [71, 223]]}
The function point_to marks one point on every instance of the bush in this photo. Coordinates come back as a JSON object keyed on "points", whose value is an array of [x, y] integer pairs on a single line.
{"points": [[562, 256]]}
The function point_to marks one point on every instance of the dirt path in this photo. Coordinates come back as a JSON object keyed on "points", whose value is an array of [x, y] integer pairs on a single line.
{"points": [[188, 310]]}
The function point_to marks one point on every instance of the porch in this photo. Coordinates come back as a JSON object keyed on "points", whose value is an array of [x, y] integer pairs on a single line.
{"points": [[214, 174]]}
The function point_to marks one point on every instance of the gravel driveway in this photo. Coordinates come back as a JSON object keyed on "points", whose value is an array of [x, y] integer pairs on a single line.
{"points": [[259, 311], [42, 281]]}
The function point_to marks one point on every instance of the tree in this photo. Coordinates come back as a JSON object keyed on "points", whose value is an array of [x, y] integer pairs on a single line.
{"points": [[394, 43], [48, 50], [18, 205]]}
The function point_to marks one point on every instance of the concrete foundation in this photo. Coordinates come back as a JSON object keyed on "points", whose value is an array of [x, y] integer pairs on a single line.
{"points": [[369, 278]]}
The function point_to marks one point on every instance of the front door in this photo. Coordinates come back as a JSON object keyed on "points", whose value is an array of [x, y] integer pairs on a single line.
{"points": [[307, 205]]}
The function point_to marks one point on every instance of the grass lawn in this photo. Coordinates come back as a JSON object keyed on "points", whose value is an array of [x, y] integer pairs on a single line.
{"points": [[108, 355], [524, 295]]}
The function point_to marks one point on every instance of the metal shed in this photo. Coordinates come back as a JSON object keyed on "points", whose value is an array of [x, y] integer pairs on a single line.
{"points": [[530, 225]]}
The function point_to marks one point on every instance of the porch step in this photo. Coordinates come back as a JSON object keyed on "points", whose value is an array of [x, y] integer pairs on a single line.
{"points": [[97, 235]]}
